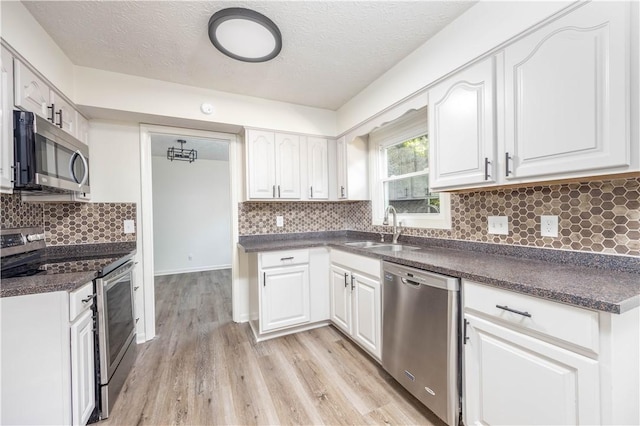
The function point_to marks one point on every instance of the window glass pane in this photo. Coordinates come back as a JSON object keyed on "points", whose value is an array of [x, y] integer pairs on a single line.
{"points": [[411, 195], [407, 157]]}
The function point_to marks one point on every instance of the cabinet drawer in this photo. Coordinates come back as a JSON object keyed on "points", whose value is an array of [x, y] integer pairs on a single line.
{"points": [[80, 300], [576, 326], [356, 263], [283, 258]]}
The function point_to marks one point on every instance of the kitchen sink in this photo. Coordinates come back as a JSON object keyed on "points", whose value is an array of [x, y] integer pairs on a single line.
{"points": [[394, 247], [381, 246], [364, 244]]}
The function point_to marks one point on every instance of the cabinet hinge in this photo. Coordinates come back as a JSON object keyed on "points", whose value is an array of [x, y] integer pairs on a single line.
{"points": [[464, 332]]}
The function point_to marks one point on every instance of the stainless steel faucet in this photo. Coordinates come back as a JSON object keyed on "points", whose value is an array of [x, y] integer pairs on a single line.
{"points": [[397, 228]]}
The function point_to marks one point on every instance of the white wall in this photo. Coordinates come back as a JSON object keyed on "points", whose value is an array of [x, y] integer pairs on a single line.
{"points": [[105, 89], [191, 215], [24, 34], [478, 30], [114, 175]]}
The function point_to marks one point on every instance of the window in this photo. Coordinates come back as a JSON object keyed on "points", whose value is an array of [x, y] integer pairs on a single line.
{"points": [[400, 150]]}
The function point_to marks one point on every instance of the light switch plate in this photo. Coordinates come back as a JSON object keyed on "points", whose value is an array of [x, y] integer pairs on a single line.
{"points": [[279, 221], [129, 227], [549, 226], [498, 225]]}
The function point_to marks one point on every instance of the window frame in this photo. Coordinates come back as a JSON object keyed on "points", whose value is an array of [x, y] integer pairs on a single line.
{"points": [[411, 125]]}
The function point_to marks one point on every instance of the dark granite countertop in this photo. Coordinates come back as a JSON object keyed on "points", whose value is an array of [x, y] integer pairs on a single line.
{"points": [[600, 282], [74, 267]]}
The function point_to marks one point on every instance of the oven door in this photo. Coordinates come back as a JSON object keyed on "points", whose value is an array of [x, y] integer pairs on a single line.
{"points": [[116, 323]]}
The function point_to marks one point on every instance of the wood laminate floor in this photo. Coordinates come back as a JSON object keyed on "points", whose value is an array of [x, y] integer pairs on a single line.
{"points": [[202, 368]]}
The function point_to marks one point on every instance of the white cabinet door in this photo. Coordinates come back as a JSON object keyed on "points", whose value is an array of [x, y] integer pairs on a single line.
{"points": [[318, 168], [367, 310], [31, 93], [82, 128], [287, 165], [82, 369], [284, 298], [261, 167], [462, 129], [341, 298], [341, 168], [6, 147], [64, 114], [512, 378], [566, 94]]}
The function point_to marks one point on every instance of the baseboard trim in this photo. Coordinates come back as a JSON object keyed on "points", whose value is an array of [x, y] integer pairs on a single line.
{"points": [[188, 270]]}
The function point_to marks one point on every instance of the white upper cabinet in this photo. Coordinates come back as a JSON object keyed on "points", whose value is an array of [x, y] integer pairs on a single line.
{"points": [[64, 114], [318, 168], [341, 168], [6, 143], [82, 128], [261, 164], [31, 92], [287, 165], [273, 165], [566, 94], [461, 127]]}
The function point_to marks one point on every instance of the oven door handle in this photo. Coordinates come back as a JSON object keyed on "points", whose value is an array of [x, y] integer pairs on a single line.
{"points": [[72, 163], [109, 282]]}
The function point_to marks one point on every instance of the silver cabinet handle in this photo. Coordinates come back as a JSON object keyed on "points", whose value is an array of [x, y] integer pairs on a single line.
{"points": [[507, 158], [352, 285], [59, 123], [264, 279], [486, 168], [274, 191], [53, 113], [286, 258], [278, 191], [311, 188], [515, 311], [345, 280], [342, 191]]}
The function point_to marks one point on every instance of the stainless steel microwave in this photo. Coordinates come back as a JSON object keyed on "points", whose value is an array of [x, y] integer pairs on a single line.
{"points": [[46, 158]]}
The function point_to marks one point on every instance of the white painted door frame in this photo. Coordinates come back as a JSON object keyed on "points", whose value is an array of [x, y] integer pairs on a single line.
{"points": [[235, 181]]}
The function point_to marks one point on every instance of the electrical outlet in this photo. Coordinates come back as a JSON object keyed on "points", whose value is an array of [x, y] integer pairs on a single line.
{"points": [[129, 227], [549, 226], [498, 225], [279, 221]]}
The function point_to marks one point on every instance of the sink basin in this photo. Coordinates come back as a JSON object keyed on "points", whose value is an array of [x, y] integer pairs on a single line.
{"points": [[381, 246], [394, 247], [363, 244]]}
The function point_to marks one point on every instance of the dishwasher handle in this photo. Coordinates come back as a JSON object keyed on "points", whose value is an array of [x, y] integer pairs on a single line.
{"points": [[410, 282]]}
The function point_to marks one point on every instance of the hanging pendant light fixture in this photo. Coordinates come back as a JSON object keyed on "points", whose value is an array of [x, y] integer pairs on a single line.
{"points": [[245, 35], [181, 154]]}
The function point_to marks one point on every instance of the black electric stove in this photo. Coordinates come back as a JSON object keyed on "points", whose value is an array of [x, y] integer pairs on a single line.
{"points": [[23, 254]]}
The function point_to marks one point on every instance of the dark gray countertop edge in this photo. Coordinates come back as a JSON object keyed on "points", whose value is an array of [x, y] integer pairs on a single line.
{"points": [[610, 262], [65, 282], [337, 239]]}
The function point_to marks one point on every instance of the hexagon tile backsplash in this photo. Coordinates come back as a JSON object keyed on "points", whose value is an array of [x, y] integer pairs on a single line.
{"points": [[70, 223], [598, 216]]}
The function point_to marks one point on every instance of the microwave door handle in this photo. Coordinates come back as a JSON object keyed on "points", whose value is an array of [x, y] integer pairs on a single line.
{"points": [[74, 157]]}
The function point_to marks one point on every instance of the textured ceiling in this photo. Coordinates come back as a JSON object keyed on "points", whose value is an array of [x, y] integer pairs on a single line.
{"points": [[331, 49], [208, 149]]}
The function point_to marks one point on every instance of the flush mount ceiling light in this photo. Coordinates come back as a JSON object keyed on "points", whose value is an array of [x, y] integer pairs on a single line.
{"points": [[181, 154], [245, 35]]}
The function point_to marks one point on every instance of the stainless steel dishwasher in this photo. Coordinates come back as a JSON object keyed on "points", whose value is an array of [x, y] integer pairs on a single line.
{"points": [[420, 336]]}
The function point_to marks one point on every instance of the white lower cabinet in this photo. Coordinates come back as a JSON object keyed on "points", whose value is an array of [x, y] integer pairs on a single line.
{"points": [[356, 299], [47, 371], [284, 297], [288, 291], [512, 378], [533, 361], [82, 368]]}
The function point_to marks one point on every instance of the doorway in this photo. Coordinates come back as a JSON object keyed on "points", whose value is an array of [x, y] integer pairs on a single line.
{"points": [[181, 214]]}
